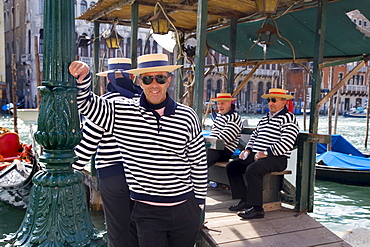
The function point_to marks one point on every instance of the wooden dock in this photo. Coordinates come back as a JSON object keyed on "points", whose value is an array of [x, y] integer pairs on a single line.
{"points": [[283, 227]]}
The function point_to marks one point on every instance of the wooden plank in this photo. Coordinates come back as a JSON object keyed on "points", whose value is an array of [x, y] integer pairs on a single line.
{"points": [[282, 227], [306, 238]]}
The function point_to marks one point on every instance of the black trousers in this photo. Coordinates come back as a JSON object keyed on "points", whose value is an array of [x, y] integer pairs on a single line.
{"points": [[214, 156], [161, 226], [252, 190], [117, 206]]}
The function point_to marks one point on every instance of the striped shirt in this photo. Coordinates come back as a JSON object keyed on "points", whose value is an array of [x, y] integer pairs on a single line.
{"points": [[164, 156], [275, 134], [96, 140], [227, 127]]}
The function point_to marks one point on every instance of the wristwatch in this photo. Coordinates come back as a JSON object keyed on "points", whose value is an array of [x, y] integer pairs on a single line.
{"points": [[266, 153]]}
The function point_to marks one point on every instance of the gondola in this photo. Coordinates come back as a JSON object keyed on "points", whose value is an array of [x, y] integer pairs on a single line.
{"points": [[343, 168], [18, 164]]}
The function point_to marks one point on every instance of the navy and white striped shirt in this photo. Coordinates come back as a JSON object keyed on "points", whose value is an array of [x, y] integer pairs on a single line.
{"points": [[164, 156], [276, 134], [108, 159], [228, 127]]}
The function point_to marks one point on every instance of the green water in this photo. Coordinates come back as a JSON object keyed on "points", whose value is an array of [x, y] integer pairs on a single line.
{"points": [[338, 207]]}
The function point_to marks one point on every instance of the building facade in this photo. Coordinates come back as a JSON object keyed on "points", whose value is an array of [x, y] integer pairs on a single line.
{"points": [[23, 32]]}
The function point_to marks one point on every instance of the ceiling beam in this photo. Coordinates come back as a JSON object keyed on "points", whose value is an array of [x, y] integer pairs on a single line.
{"points": [[114, 7]]}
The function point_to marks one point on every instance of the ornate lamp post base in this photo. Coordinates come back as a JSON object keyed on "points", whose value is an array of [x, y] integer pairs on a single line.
{"points": [[57, 214]]}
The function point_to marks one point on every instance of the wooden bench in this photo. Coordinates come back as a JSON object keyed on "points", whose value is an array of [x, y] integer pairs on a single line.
{"points": [[272, 182]]}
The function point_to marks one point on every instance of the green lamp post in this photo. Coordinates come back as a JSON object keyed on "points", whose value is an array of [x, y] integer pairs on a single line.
{"points": [[57, 214]]}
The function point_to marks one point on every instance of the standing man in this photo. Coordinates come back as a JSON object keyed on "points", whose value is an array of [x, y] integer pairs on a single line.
{"points": [[227, 126], [267, 151], [163, 151], [113, 188]]}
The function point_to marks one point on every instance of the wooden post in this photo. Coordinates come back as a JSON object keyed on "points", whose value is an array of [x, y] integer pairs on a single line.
{"points": [[14, 93], [367, 118], [330, 110], [305, 85]]}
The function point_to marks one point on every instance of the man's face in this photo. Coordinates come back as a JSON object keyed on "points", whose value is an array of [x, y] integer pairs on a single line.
{"points": [[224, 106], [277, 105], [155, 92]]}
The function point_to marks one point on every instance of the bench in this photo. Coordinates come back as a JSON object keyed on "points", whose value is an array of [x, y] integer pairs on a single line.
{"points": [[272, 182]]}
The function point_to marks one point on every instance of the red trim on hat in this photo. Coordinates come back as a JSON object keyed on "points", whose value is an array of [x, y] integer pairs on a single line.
{"points": [[277, 93], [229, 97]]}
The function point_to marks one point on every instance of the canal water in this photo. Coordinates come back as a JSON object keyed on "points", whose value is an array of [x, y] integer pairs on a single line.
{"points": [[338, 207]]}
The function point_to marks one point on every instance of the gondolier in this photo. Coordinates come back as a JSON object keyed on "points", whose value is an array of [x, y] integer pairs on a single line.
{"points": [[267, 151], [163, 149]]}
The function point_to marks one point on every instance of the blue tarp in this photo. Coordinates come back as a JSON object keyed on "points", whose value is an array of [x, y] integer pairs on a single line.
{"points": [[341, 160], [341, 145]]}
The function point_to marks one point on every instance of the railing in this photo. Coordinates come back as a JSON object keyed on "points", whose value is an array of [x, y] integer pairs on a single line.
{"points": [[356, 88]]}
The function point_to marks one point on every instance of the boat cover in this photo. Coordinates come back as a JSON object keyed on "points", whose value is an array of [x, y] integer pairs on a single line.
{"points": [[336, 159], [341, 145]]}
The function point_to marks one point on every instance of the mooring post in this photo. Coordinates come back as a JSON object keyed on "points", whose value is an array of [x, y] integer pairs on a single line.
{"points": [[57, 213]]}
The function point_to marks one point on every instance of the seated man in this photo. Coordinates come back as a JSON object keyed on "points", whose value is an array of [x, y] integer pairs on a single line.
{"points": [[267, 151], [227, 126]]}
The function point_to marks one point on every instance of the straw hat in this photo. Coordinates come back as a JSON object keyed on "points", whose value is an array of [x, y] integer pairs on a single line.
{"points": [[277, 93], [223, 97], [153, 63], [117, 65]]}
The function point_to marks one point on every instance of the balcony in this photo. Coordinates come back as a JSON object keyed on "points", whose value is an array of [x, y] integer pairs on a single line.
{"points": [[356, 88]]}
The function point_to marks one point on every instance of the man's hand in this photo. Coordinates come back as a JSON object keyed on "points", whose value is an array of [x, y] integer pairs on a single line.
{"points": [[79, 70], [259, 155], [244, 154]]}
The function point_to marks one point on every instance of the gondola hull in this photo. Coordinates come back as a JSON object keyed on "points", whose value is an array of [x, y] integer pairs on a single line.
{"points": [[343, 175]]}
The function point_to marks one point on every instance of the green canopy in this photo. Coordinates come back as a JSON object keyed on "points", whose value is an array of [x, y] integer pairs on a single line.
{"points": [[343, 39]]}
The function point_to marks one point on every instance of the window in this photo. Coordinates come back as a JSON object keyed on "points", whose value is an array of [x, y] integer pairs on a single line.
{"points": [[29, 41], [139, 47], [209, 89], [5, 21], [359, 22], [128, 47], [92, 3], [354, 20], [41, 42], [365, 23], [155, 47], [41, 7], [75, 8], [83, 6], [259, 92], [147, 47]]}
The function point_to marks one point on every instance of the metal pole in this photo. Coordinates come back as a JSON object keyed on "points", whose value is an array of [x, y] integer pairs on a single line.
{"points": [[134, 31], [306, 168], [199, 53], [57, 214], [230, 69], [96, 51]]}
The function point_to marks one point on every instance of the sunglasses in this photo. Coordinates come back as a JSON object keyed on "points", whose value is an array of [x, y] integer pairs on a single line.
{"points": [[271, 99], [148, 79]]}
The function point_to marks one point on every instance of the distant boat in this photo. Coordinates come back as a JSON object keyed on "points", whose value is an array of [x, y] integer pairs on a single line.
{"points": [[355, 113], [28, 114]]}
